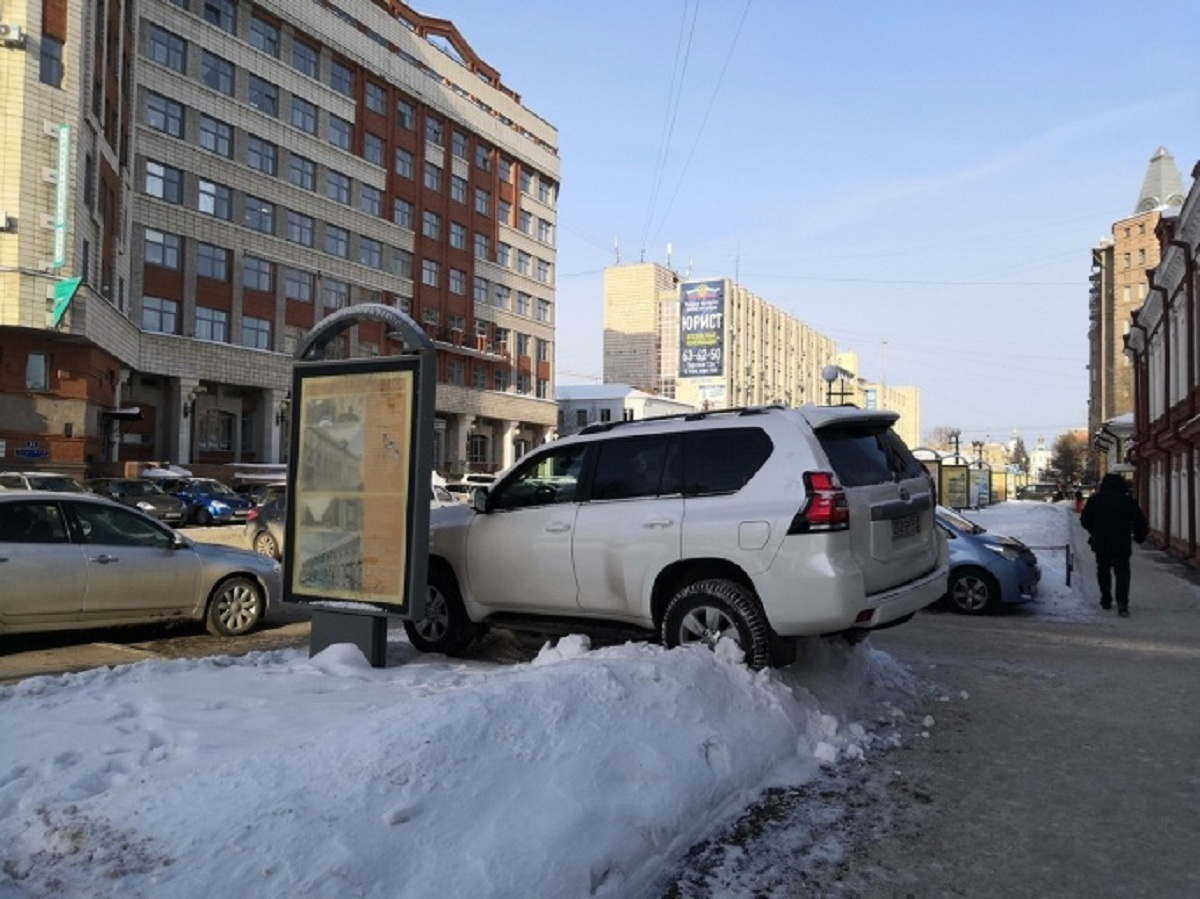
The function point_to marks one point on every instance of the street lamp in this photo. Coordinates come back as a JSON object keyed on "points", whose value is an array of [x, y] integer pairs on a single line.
{"points": [[829, 374], [954, 434], [977, 445]]}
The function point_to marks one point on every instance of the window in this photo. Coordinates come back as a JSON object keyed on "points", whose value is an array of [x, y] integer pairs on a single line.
{"points": [[458, 145], [304, 115], [458, 281], [481, 246], [259, 215], [168, 48], [501, 298], [163, 249], [402, 213], [297, 285], [337, 241], [503, 254], [375, 98], [483, 157], [263, 95], [256, 333], [404, 163], [504, 169], [526, 180], [524, 302], [458, 236], [430, 273], [211, 324], [402, 263], [543, 310], [305, 58], [212, 262], [504, 211], [545, 193], [481, 292], [222, 13], [216, 136], [264, 36], [337, 186], [159, 315], [456, 374], [37, 371], [543, 271], [523, 260], [544, 232], [262, 155], [299, 228], [559, 467], [341, 78], [483, 201], [431, 317], [214, 430], [370, 252], [370, 200], [406, 114], [479, 376], [50, 61], [302, 172], [632, 467], [373, 148], [542, 348], [164, 182], [431, 225], [256, 273], [501, 378], [164, 115], [458, 189], [526, 222], [339, 132], [522, 344], [217, 73], [433, 129], [433, 176], [581, 420], [334, 294]]}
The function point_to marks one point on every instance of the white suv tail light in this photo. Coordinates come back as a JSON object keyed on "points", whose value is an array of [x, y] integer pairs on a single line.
{"points": [[825, 507]]}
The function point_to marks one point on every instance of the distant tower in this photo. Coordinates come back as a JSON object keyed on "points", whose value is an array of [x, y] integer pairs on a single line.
{"points": [[1162, 185]]}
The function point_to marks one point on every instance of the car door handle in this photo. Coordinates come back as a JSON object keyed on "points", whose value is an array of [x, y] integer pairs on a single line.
{"points": [[658, 522], [105, 558], [557, 527]]}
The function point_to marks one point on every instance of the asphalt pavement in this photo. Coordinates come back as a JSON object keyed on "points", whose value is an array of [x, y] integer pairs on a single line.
{"points": [[1064, 755]]}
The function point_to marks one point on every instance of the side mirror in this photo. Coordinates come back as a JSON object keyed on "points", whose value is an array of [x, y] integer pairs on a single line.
{"points": [[479, 499]]}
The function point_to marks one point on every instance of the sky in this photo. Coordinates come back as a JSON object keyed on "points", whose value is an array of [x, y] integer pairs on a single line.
{"points": [[920, 181], [552, 772]]}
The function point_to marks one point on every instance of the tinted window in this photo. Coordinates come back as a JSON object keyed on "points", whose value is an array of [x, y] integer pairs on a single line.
{"points": [[635, 467], [31, 522], [722, 461], [543, 480], [865, 455], [116, 526]]}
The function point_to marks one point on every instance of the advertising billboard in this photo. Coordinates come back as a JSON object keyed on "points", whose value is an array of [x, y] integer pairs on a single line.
{"points": [[702, 329]]}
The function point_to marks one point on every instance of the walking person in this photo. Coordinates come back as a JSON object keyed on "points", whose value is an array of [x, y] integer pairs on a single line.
{"points": [[1113, 519]]}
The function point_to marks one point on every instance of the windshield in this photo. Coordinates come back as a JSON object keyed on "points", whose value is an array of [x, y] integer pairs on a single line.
{"points": [[216, 488], [962, 524], [139, 488], [55, 482]]}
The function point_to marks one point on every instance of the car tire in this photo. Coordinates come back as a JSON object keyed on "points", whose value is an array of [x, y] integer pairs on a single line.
{"points": [[235, 607], [203, 519], [265, 544], [444, 627], [707, 610], [972, 591]]}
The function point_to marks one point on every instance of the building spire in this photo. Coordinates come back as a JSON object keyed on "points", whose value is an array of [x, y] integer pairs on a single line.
{"points": [[1162, 186]]}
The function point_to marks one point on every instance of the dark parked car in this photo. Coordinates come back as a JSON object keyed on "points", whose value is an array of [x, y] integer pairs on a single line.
{"points": [[259, 492], [1045, 493], [265, 524], [78, 560], [143, 495], [208, 500], [986, 570]]}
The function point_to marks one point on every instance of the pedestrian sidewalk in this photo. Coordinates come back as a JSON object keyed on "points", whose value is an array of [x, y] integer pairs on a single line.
{"points": [[1161, 586]]}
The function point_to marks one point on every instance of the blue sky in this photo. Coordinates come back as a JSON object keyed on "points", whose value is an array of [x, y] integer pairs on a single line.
{"points": [[920, 181]]}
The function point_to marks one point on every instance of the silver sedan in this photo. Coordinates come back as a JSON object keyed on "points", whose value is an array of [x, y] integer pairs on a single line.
{"points": [[71, 560]]}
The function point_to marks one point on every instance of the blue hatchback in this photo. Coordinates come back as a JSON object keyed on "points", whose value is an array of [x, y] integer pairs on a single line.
{"points": [[209, 501], [986, 570]]}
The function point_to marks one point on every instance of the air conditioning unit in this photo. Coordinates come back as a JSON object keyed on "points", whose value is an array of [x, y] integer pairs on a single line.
{"points": [[11, 35]]}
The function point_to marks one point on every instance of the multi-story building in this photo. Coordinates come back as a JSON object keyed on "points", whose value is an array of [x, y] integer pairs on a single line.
{"points": [[1165, 355], [189, 186], [580, 405], [711, 343], [1119, 285]]}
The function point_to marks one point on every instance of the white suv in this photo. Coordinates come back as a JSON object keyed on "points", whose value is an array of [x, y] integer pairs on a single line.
{"points": [[762, 524]]}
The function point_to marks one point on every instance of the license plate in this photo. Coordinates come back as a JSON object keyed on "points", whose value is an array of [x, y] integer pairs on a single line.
{"points": [[908, 526]]}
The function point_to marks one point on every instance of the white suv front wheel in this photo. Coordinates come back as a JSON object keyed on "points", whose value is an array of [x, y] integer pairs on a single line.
{"points": [[707, 610]]}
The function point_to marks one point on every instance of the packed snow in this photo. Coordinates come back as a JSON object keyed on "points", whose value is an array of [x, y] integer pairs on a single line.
{"points": [[571, 770]]}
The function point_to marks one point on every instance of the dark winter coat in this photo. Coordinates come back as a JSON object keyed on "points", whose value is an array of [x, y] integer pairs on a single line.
{"points": [[1113, 518]]}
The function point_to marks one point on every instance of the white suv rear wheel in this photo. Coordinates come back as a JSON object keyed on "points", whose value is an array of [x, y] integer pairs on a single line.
{"points": [[708, 610]]}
